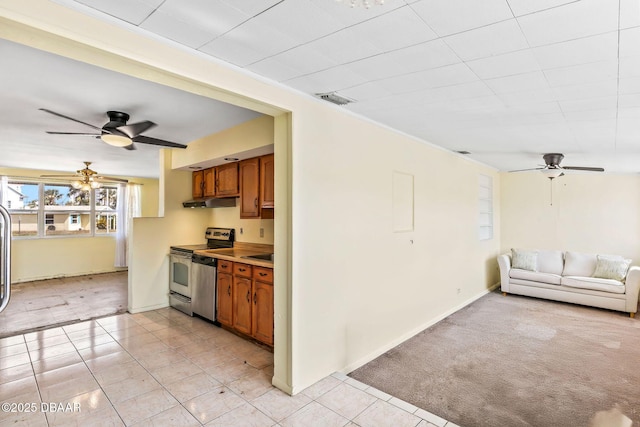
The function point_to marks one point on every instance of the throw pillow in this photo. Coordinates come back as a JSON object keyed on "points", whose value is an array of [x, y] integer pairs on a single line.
{"points": [[524, 260], [611, 267]]}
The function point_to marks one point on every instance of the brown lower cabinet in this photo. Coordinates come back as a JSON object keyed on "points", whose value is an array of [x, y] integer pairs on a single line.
{"points": [[245, 300]]}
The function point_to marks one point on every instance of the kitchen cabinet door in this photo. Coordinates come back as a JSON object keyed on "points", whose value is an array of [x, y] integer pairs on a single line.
{"points": [[267, 183], [250, 188], [227, 184], [197, 184], [225, 299], [262, 316], [242, 304], [209, 177]]}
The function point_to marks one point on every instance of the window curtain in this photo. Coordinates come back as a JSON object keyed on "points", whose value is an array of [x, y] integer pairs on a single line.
{"points": [[4, 189], [128, 208]]}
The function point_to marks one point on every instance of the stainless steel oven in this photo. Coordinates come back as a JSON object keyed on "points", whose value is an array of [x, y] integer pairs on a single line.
{"points": [[192, 286]]}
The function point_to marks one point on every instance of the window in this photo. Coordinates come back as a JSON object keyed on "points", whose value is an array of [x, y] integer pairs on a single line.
{"points": [[45, 209], [485, 207]]}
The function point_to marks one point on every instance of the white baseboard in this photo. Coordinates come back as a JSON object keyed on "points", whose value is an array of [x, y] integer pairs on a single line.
{"points": [[147, 308], [380, 351]]}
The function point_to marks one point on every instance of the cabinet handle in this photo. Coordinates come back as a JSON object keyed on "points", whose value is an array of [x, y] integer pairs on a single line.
{"points": [[255, 202], [255, 299], [249, 297], [262, 274], [242, 269], [229, 290]]}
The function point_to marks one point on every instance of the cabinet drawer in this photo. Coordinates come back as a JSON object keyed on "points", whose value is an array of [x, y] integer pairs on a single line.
{"points": [[225, 266], [263, 274], [243, 270]]}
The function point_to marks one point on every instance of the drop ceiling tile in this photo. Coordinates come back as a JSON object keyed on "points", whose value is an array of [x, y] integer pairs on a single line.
{"points": [[347, 16], [505, 65], [248, 7], [630, 42], [132, 11], [399, 28], [513, 99], [629, 100], [437, 77], [486, 41], [588, 90], [394, 30], [629, 13], [333, 79], [193, 22], [590, 115], [571, 21], [582, 51], [629, 113], [292, 63], [248, 43], [448, 17], [524, 7], [598, 103], [452, 93], [424, 56], [629, 85], [629, 66], [518, 83], [584, 73], [367, 91], [301, 20]]}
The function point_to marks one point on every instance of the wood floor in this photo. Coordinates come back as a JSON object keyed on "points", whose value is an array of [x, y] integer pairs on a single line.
{"points": [[56, 302]]}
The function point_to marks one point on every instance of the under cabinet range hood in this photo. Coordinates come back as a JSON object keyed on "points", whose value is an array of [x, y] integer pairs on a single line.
{"points": [[227, 202]]}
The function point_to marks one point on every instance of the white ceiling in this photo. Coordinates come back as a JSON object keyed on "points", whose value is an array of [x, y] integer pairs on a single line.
{"points": [[507, 80], [32, 79]]}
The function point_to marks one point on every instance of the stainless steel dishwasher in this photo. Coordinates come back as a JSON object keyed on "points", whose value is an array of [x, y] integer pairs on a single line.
{"points": [[203, 292]]}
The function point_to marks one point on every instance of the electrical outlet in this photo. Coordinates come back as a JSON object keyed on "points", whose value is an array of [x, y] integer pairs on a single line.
{"points": [[241, 230], [262, 232], [458, 291]]}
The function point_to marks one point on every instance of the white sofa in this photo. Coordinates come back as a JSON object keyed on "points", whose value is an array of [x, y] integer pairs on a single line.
{"points": [[571, 277]]}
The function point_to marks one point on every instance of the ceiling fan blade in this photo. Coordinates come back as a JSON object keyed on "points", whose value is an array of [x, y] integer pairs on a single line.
{"points": [[70, 118], [148, 140], [71, 133], [58, 176], [523, 170], [135, 129], [583, 168], [110, 179]]}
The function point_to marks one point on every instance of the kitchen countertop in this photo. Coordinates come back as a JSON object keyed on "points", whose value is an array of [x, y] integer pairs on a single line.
{"points": [[240, 250]]}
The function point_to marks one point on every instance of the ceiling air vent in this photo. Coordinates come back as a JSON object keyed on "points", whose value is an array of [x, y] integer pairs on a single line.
{"points": [[463, 152], [334, 98]]}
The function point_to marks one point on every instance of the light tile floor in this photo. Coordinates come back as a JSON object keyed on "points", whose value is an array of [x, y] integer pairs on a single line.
{"points": [[163, 368], [43, 303]]}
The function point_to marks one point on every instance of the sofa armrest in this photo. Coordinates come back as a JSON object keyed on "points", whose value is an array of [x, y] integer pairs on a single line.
{"points": [[504, 262], [632, 284]]}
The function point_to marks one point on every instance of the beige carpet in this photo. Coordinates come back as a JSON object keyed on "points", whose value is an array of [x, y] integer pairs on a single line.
{"points": [[517, 361]]}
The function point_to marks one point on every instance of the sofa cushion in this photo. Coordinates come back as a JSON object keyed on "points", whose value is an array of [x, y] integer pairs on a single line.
{"points": [[524, 259], [611, 267], [551, 262], [579, 264], [594, 283], [535, 276]]}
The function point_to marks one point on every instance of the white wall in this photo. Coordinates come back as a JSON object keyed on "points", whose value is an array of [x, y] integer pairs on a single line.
{"points": [[591, 212], [350, 287]]}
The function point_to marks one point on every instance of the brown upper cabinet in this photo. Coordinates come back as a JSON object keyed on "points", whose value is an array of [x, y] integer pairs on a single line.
{"points": [[209, 180], [197, 184], [267, 183], [227, 180], [250, 188]]}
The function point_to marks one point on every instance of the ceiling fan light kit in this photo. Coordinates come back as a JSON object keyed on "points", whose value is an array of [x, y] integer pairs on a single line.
{"points": [[116, 140], [552, 173]]}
